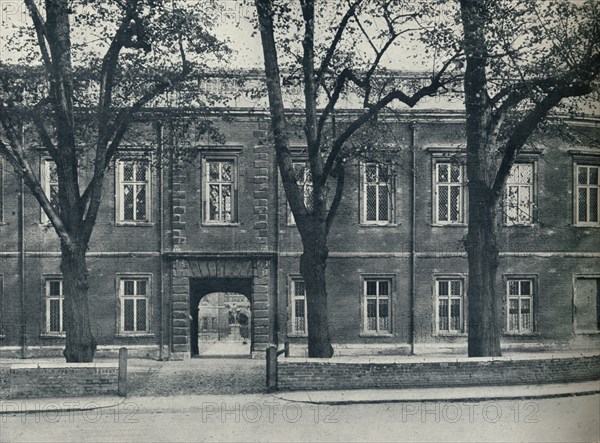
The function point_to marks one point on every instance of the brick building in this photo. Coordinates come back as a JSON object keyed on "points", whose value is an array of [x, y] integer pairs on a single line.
{"points": [[169, 234]]}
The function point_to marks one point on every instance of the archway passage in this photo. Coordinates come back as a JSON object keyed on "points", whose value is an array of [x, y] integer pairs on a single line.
{"points": [[221, 317]]}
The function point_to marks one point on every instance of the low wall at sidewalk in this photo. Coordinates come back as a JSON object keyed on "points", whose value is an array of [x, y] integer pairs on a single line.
{"points": [[63, 380], [317, 374]]}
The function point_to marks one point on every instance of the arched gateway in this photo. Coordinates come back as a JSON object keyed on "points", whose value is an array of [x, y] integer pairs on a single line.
{"points": [[192, 278]]}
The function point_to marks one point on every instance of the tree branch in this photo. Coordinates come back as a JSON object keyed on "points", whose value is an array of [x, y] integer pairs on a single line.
{"points": [[337, 198]]}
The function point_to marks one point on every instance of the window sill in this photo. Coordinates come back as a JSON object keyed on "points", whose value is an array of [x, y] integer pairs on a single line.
{"points": [[298, 335], [451, 334], [134, 334], [521, 334], [135, 224], [374, 334], [224, 225], [587, 332], [50, 336], [449, 225], [530, 225], [596, 226], [379, 225]]}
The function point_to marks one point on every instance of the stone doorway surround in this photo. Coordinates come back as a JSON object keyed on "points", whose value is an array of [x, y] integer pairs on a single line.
{"points": [[256, 269]]}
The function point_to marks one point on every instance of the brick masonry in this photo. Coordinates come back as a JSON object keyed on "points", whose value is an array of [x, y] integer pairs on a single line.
{"points": [[313, 374], [63, 380]]}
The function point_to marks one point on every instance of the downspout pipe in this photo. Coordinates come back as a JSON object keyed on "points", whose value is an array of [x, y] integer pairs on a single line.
{"points": [[413, 235], [22, 283], [161, 249]]}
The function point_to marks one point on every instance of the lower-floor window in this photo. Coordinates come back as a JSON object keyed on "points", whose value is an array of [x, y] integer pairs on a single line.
{"points": [[587, 304], [450, 309], [134, 294], [54, 306], [298, 302], [376, 303], [519, 296]]}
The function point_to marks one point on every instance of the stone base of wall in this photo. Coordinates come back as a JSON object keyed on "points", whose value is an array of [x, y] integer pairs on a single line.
{"points": [[104, 351], [33, 380], [318, 374]]}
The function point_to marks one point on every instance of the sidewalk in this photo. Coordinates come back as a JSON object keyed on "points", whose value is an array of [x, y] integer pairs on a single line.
{"points": [[365, 396]]}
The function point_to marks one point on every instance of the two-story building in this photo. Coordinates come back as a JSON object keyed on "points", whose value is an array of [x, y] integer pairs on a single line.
{"points": [[171, 232]]}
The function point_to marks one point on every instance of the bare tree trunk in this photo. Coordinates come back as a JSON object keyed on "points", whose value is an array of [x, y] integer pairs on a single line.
{"points": [[80, 343], [482, 252], [312, 268]]}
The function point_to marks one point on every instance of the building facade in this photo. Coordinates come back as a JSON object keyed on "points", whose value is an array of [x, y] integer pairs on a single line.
{"points": [[170, 233]]}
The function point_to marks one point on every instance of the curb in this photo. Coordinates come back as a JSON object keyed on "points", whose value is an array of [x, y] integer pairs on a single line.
{"points": [[33, 405]]}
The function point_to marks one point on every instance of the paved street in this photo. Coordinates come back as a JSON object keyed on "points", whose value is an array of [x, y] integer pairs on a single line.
{"points": [[268, 418]]}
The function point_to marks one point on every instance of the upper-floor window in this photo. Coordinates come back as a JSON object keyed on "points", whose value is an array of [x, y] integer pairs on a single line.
{"points": [[305, 183], [54, 306], [133, 191], [449, 295], [376, 306], [586, 195], [377, 194], [49, 182], [449, 201], [298, 305], [134, 293], [220, 189], [518, 195], [519, 309]]}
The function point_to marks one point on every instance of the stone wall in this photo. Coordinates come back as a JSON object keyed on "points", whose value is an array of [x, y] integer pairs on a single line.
{"points": [[317, 374], [63, 380]]}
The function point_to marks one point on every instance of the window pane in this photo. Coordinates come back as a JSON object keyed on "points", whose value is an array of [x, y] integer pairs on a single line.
{"points": [[128, 202], [525, 314], [443, 288], [582, 175], [54, 287], [214, 202], [443, 203], [384, 288], [213, 168], [524, 204], [383, 203], [455, 174], [513, 314], [455, 315], [299, 287], [454, 203], [582, 207], [128, 171], [128, 314], [128, 288], [371, 287], [525, 173], [371, 202], [54, 201], [593, 178], [140, 203], [371, 173], [384, 172], [513, 287], [455, 287], [443, 314], [54, 320], [226, 203], [525, 287], [384, 315], [593, 205], [371, 315], [141, 287], [299, 316], [442, 173], [227, 171], [140, 172], [141, 315]]}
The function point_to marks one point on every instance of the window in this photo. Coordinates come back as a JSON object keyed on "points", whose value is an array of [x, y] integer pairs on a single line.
{"points": [[220, 191], [376, 306], [448, 193], [586, 192], [299, 317], [304, 181], [49, 182], [133, 196], [518, 195], [450, 306], [377, 194], [54, 306], [519, 299], [134, 294], [587, 304]]}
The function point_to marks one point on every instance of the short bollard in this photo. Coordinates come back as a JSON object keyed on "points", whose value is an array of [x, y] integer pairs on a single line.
{"points": [[123, 372], [271, 368]]}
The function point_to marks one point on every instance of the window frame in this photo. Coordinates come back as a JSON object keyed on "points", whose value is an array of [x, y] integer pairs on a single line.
{"points": [[46, 299], [120, 285], [391, 297], [533, 280], [46, 185], [462, 278], [591, 163], [391, 186], [206, 159], [119, 184], [576, 277], [532, 195], [462, 185], [292, 332]]}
